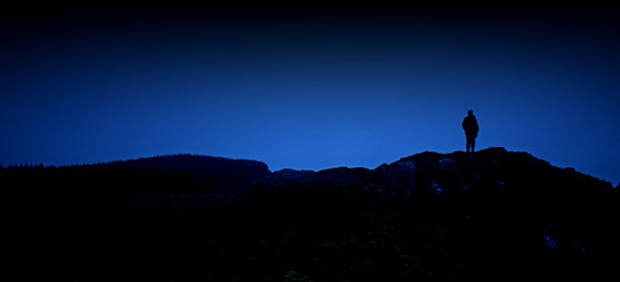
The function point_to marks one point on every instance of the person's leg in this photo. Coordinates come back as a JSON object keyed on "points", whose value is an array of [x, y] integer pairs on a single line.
{"points": [[473, 144], [469, 144]]}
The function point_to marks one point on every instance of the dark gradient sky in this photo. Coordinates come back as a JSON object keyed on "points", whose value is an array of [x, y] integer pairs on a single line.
{"points": [[309, 86]]}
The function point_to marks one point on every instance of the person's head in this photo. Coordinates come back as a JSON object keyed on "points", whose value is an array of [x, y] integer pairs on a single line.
{"points": [[470, 113]]}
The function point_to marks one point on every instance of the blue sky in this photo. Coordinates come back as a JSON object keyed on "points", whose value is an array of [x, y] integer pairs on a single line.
{"points": [[309, 87]]}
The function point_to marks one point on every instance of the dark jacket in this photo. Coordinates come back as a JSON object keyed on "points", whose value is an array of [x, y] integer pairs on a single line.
{"points": [[471, 126]]}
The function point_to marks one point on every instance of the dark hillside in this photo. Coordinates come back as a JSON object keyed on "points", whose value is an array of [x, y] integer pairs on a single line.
{"points": [[493, 214]]}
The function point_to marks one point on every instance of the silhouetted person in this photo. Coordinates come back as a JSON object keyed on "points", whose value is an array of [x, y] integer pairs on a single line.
{"points": [[471, 130]]}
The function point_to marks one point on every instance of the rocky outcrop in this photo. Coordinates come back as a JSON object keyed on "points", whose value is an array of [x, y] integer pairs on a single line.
{"points": [[493, 171]]}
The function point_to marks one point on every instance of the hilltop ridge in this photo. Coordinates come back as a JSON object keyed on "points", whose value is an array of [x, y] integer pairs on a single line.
{"points": [[216, 173]]}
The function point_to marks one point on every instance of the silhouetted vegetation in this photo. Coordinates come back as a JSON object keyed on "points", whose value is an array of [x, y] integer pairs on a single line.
{"points": [[492, 214]]}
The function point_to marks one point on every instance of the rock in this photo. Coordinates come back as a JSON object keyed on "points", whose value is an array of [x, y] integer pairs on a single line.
{"points": [[550, 243], [396, 178], [448, 164]]}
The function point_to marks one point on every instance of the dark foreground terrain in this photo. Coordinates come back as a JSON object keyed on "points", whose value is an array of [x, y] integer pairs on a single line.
{"points": [[490, 215]]}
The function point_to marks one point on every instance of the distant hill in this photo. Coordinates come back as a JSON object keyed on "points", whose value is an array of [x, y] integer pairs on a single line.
{"points": [[171, 173], [493, 214], [204, 173]]}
